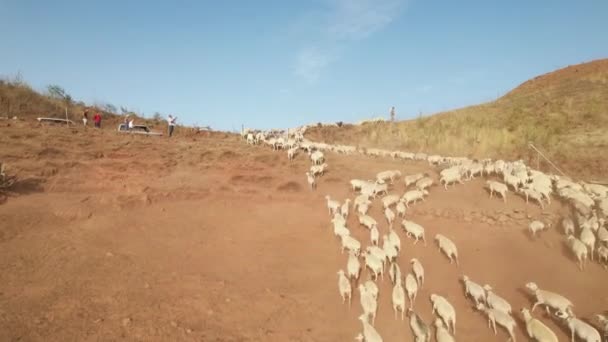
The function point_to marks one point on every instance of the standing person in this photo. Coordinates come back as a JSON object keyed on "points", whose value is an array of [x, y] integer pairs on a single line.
{"points": [[85, 117], [126, 123], [171, 121], [97, 120], [393, 113], [131, 124]]}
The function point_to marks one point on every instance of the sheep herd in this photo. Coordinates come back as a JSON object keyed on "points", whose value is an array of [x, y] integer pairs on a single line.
{"points": [[585, 233]]}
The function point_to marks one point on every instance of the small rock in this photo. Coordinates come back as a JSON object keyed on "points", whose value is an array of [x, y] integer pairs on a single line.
{"points": [[227, 300], [468, 219], [209, 312], [99, 320], [109, 254], [189, 331], [126, 321], [146, 286], [174, 324]]}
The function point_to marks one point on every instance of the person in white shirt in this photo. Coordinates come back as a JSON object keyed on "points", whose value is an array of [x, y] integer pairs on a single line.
{"points": [[171, 121], [131, 124]]}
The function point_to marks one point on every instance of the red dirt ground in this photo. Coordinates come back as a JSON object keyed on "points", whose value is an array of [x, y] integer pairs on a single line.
{"points": [[111, 237]]}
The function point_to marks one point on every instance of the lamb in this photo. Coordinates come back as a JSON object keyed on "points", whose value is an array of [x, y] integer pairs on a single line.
{"points": [[400, 208], [394, 239], [412, 179], [579, 250], [445, 310], [502, 318], [353, 266], [498, 187], [362, 209], [568, 226], [414, 196], [411, 286], [424, 183], [441, 333], [473, 290], [549, 299], [378, 253], [398, 298], [369, 332], [361, 199], [341, 230], [316, 170], [588, 238], [390, 216], [344, 287], [447, 247], [602, 255], [418, 271], [536, 329], [332, 206], [357, 184], [374, 235], [475, 169], [394, 272], [368, 303], [367, 221], [291, 153], [371, 288], [450, 178], [389, 200], [421, 331], [374, 264], [535, 195], [311, 180], [535, 226], [389, 249], [379, 189], [250, 139], [494, 301], [317, 157], [579, 328], [344, 208], [413, 230], [350, 243]]}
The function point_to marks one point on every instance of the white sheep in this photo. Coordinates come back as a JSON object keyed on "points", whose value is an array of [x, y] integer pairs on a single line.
{"points": [[332, 206], [450, 178], [413, 196], [535, 195], [400, 208], [549, 299], [393, 237], [291, 153], [389, 249], [362, 209], [378, 253], [389, 200], [536, 329], [412, 179], [447, 247], [369, 304], [495, 301], [588, 238], [502, 318], [351, 244], [579, 328], [445, 311], [579, 250], [374, 264], [535, 226], [603, 321], [418, 271], [602, 255], [421, 331], [413, 230], [498, 187], [317, 170], [317, 157], [371, 288], [390, 216], [411, 286], [344, 209], [424, 183], [602, 235], [394, 272], [344, 287], [398, 297], [473, 290], [353, 266], [367, 221], [441, 332], [341, 230], [568, 226], [311, 180], [357, 184], [511, 180], [374, 235]]}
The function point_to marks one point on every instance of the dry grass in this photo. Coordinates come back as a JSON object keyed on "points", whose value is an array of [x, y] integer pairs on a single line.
{"points": [[565, 113]]}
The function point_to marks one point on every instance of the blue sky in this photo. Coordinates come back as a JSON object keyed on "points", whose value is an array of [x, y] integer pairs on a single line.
{"points": [[276, 63]]}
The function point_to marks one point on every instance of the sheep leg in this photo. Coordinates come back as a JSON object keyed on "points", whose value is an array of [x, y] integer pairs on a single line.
{"points": [[491, 192], [494, 327], [534, 306]]}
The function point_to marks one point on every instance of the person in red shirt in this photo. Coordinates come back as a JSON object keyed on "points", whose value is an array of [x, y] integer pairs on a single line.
{"points": [[97, 120]]}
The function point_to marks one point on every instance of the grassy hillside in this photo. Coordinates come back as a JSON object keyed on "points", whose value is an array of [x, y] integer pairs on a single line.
{"points": [[564, 113], [20, 100]]}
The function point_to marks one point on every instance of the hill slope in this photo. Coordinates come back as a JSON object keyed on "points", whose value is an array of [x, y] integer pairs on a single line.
{"points": [[564, 113]]}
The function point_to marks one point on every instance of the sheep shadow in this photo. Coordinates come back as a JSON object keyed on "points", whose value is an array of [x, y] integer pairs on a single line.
{"points": [[27, 186]]}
